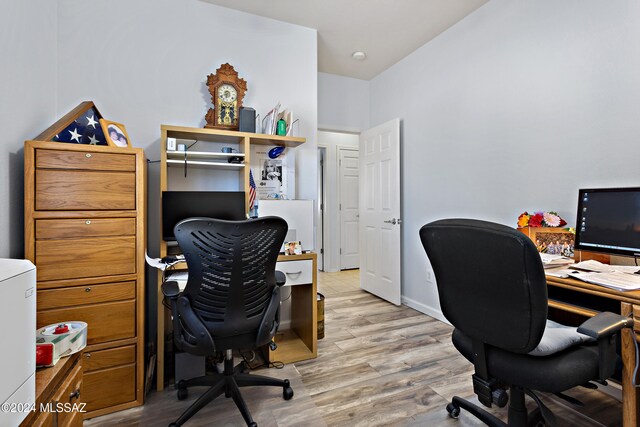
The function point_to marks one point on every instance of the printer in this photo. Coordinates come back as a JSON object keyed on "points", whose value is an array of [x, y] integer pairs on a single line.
{"points": [[18, 336]]}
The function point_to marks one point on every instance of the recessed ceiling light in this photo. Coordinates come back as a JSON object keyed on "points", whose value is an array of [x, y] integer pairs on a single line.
{"points": [[359, 56]]}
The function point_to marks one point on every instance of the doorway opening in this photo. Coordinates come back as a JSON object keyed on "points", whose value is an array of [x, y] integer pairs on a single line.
{"points": [[338, 201]]}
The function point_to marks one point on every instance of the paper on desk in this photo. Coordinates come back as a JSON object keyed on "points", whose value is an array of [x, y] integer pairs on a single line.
{"points": [[157, 262], [562, 273], [551, 260], [614, 280], [596, 266]]}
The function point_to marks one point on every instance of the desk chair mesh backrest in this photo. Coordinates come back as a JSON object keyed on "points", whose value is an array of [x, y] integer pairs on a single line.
{"points": [[232, 273], [483, 269]]}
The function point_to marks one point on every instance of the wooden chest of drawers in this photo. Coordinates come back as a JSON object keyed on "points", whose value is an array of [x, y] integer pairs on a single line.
{"points": [[84, 231]]}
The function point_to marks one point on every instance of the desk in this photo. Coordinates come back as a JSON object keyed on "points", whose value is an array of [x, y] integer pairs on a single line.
{"points": [[586, 300]]}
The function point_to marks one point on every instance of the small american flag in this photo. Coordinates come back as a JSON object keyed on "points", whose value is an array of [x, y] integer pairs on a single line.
{"points": [[252, 190], [85, 129]]}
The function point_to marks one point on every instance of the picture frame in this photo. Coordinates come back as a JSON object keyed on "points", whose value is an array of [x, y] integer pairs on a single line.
{"points": [[552, 240], [115, 133], [292, 248]]}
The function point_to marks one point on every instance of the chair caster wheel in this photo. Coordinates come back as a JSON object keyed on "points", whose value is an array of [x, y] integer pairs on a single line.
{"points": [[453, 410], [182, 393], [173, 425], [253, 424], [287, 393]]}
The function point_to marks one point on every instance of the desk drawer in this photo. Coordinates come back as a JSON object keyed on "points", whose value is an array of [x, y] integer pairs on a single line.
{"points": [[84, 227], [62, 159], [109, 358], [91, 257], [106, 322], [297, 272], [82, 190], [110, 387], [82, 295], [69, 393]]}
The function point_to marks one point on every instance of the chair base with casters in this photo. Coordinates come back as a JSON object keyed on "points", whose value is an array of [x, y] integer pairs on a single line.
{"points": [[228, 383]]}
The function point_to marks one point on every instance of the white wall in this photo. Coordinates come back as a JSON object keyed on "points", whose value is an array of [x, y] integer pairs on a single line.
{"points": [[27, 103], [343, 103], [333, 141], [514, 108], [146, 64]]}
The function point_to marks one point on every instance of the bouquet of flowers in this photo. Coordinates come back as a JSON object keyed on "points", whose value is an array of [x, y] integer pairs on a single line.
{"points": [[540, 219]]}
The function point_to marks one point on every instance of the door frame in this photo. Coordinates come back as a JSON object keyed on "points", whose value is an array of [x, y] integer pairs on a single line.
{"points": [[321, 205], [339, 193]]}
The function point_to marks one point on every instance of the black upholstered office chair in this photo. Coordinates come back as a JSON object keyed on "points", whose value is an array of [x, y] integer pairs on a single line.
{"points": [[231, 301], [492, 288]]}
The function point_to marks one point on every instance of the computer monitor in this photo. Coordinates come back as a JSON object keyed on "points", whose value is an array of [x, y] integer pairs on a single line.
{"points": [[609, 221], [179, 205]]}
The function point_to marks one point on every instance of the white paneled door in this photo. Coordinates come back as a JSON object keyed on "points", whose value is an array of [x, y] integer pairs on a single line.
{"points": [[380, 216], [349, 213]]}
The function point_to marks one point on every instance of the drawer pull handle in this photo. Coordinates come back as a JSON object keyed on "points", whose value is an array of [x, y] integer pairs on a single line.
{"points": [[87, 355], [88, 155], [88, 222], [87, 289], [75, 394], [294, 273]]}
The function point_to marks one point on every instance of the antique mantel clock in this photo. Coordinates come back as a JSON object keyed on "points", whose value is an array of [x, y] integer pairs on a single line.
{"points": [[227, 91]]}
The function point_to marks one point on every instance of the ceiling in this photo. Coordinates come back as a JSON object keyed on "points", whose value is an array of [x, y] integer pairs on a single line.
{"points": [[387, 30]]}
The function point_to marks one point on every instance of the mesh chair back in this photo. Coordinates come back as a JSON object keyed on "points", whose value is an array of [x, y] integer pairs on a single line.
{"points": [[231, 270], [490, 280]]}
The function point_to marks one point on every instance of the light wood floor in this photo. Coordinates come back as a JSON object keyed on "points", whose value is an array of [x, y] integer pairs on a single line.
{"points": [[378, 365]]}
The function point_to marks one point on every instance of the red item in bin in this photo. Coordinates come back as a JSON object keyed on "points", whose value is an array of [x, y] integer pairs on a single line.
{"points": [[61, 329]]}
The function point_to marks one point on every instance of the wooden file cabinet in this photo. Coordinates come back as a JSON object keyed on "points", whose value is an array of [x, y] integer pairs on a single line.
{"points": [[84, 231]]}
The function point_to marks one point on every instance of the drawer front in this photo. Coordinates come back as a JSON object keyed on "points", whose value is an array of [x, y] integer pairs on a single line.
{"points": [[69, 393], [109, 387], [92, 257], [80, 190], [84, 227], [82, 295], [44, 419], [102, 359], [106, 322], [85, 160], [297, 272], [75, 420]]}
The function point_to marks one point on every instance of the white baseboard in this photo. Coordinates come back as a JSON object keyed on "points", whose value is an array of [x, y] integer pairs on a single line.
{"points": [[423, 308]]}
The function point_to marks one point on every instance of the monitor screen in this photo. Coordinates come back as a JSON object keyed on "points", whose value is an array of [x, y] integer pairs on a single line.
{"points": [[609, 221], [179, 205]]}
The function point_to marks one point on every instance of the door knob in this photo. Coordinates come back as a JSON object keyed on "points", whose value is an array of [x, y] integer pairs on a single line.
{"points": [[391, 221]]}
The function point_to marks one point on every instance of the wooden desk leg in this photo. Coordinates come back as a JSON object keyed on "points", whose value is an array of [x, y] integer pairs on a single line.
{"points": [[630, 395]]}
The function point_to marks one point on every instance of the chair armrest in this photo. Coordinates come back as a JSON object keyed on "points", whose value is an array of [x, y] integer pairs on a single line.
{"points": [[281, 278], [604, 325], [171, 289]]}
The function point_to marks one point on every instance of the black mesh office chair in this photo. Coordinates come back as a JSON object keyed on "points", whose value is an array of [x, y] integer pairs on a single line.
{"points": [[492, 288], [231, 301]]}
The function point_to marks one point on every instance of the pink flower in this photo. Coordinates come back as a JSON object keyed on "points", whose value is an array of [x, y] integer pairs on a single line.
{"points": [[551, 219]]}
